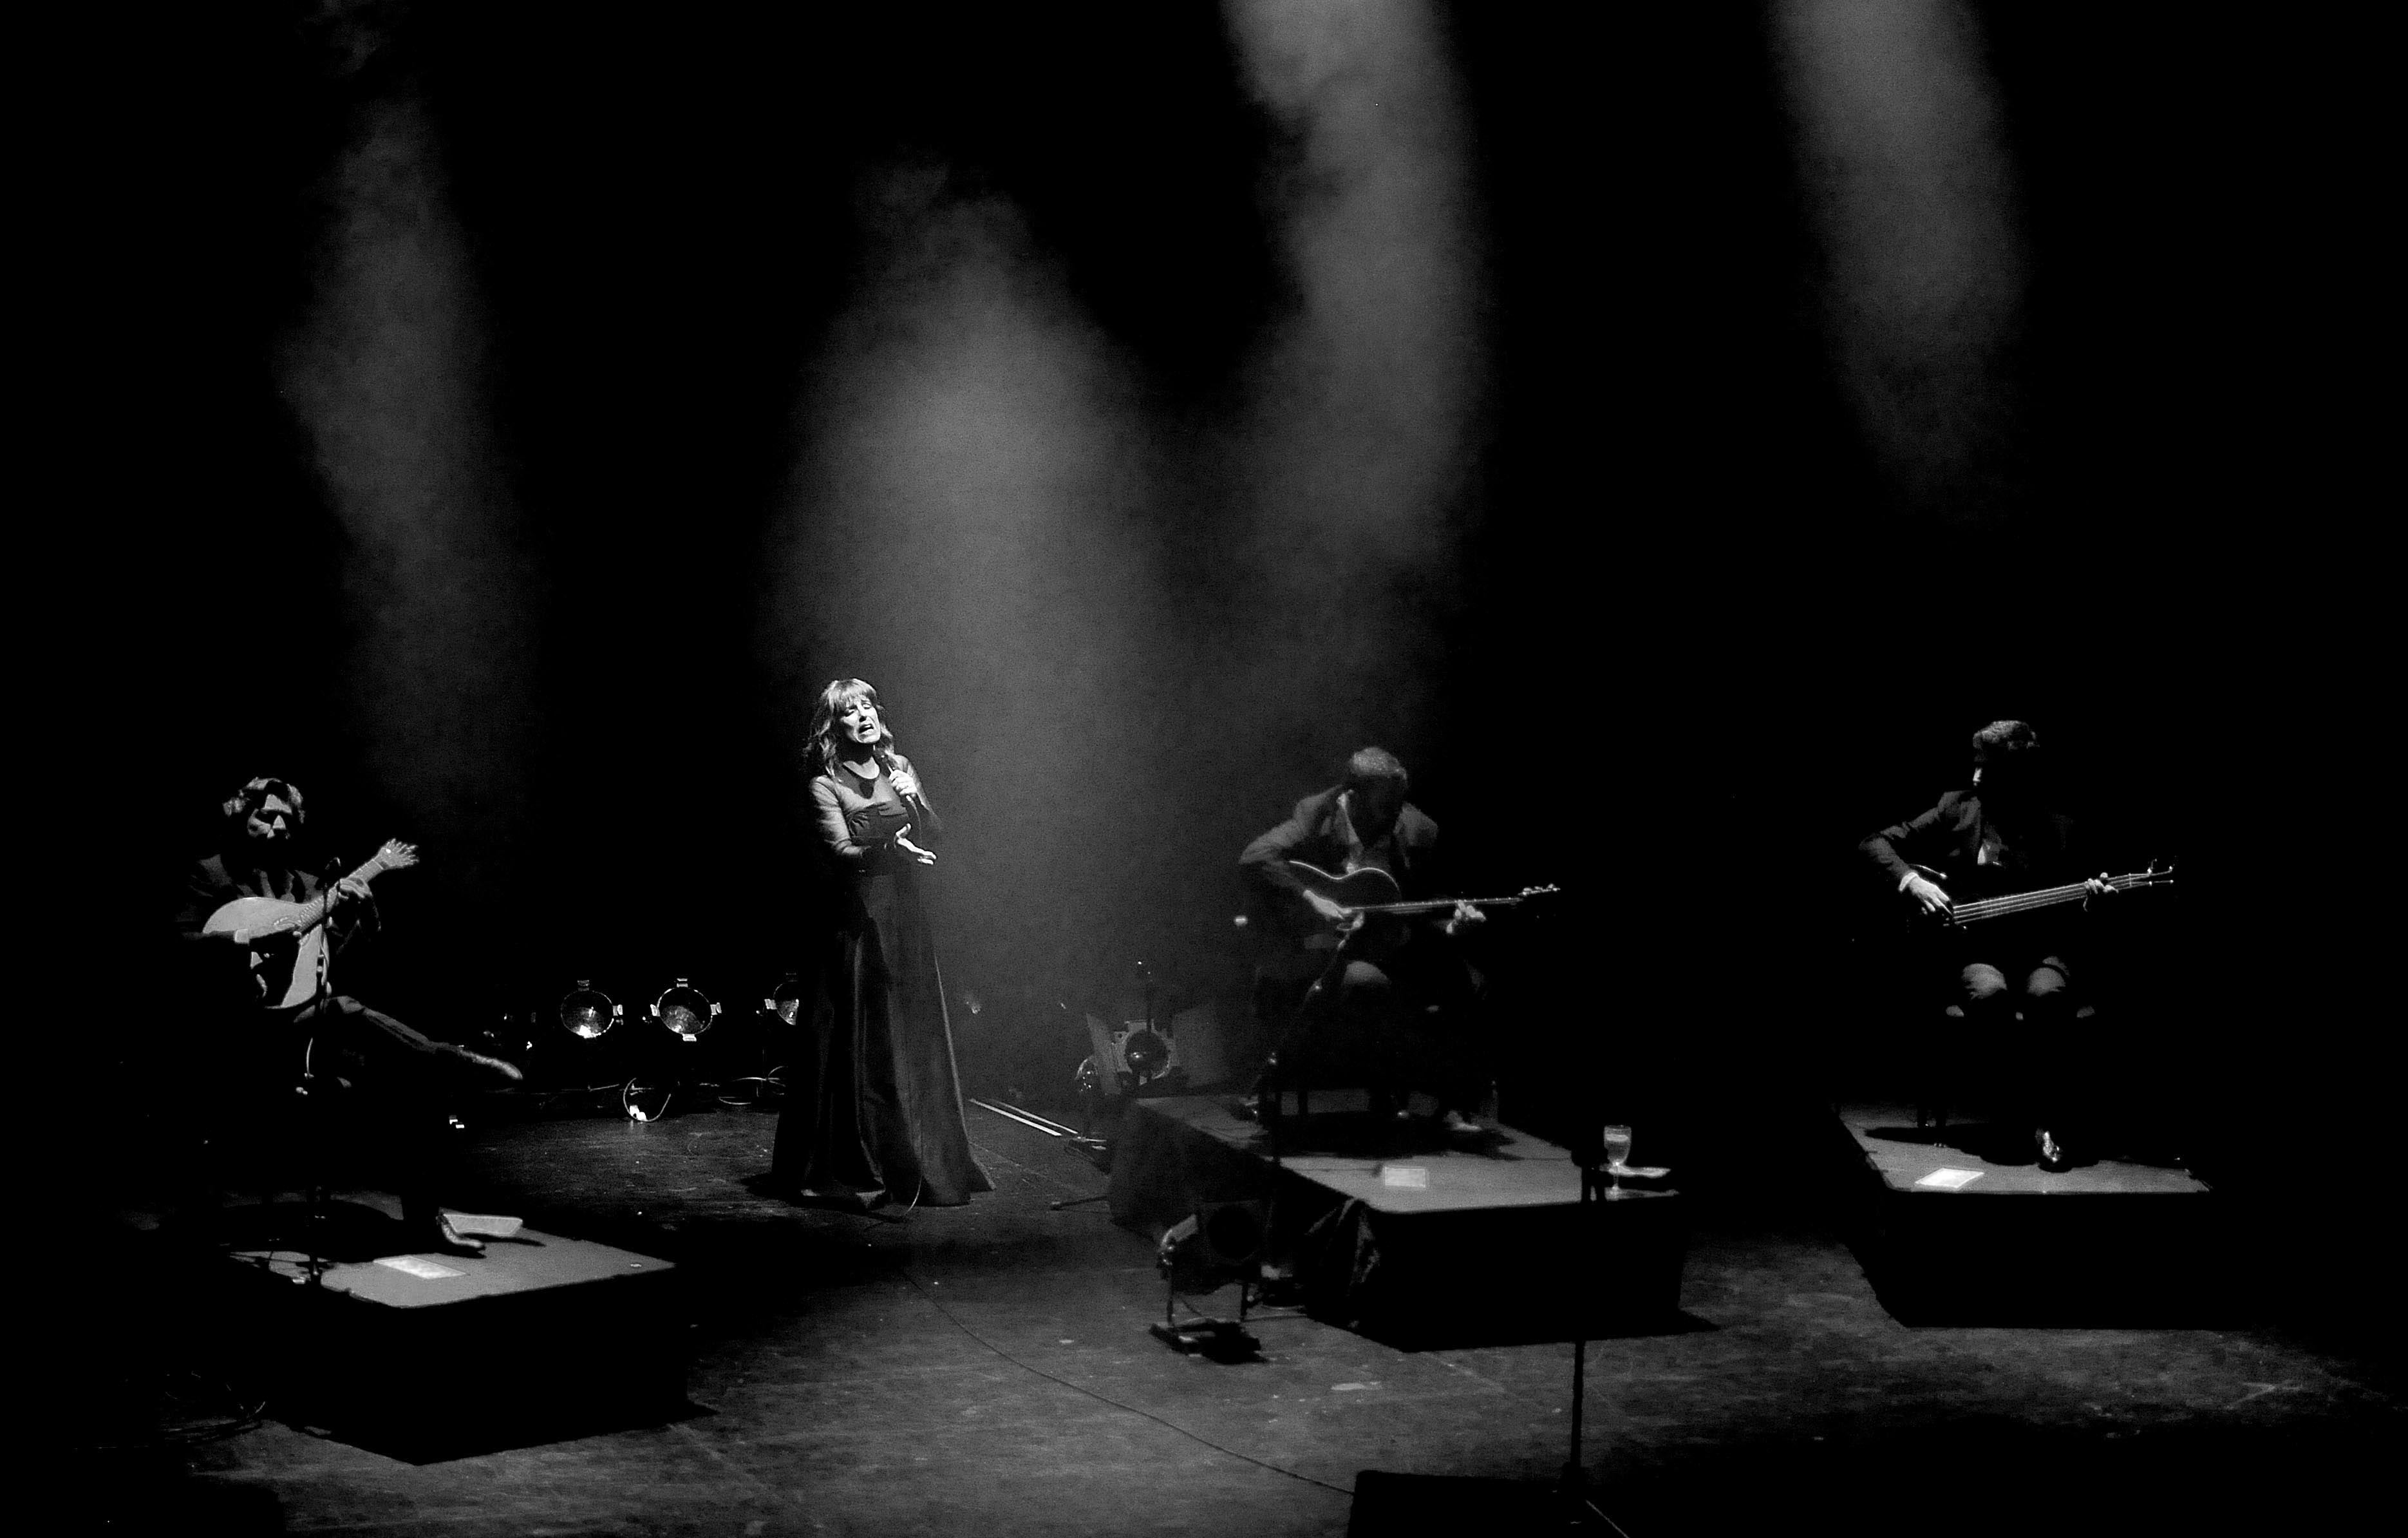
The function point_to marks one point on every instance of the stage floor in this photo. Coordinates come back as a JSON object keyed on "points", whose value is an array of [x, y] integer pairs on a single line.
{"points": [[1388, 1229], [1962, 1227], [1975, 1158], [1512, 1169], [588, 1331], [986, 1368], [528, 1261]]}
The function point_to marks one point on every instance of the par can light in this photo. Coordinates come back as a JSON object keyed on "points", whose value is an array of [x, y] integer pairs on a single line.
{"points": [[684, 1011], [587, 1013]]}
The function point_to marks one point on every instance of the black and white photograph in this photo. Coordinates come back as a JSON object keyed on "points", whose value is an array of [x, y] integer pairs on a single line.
{"points": [[1256, 767]]}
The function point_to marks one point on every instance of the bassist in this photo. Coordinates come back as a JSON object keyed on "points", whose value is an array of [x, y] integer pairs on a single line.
{"points": [[1996, 836], [1393, 993]]}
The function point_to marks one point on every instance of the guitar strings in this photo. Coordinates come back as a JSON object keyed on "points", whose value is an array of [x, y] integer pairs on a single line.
{"points": [[1965, 912]]}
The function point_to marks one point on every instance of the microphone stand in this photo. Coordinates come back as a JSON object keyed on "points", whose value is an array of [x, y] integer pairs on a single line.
{"points": [[1571, 1488], [321, 1197]]}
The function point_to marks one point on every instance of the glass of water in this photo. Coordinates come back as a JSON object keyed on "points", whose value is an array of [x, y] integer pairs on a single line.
{"points": [[1617, 1156]]}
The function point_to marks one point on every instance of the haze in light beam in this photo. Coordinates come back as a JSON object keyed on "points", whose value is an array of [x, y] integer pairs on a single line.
{"points": [[960, 533], [1902, 159], [1366, 397], [386, 372]]}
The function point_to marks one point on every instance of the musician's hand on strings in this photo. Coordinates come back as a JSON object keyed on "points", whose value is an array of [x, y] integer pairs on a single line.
{"points": [[1927, 895], [1334, 911], [1464, 914], [350, 888], [2097, 886], [919, 855]]}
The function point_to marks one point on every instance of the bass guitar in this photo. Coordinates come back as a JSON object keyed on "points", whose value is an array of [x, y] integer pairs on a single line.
{"points": [[1982, 909], [288, 954]]}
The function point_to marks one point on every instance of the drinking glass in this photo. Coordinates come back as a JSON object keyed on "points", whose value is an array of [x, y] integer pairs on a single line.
{"points": [[1617, 1156]]}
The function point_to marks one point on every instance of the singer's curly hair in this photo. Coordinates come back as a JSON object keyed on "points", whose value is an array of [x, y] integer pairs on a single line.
{"points": [[837, 698], [253, 795]]}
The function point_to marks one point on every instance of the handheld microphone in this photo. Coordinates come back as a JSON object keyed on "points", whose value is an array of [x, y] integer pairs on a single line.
{"points": [[886, 762]]}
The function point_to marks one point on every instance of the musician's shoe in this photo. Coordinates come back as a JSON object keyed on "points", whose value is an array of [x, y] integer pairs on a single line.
{"points": [[1461, 1130], [491, 1067], [484, 1225], [447, 1240], [1261, 1104], [2051, 1149]]}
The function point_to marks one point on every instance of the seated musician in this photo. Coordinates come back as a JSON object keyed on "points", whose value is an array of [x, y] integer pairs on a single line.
{"points": [[242, 977], [1995, 838], [1390, 991]]}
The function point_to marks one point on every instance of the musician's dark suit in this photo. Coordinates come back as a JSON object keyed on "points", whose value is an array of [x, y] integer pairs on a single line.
{"points": [[1316, 834], [2008, 968], [1393, 1004], [402, 1078], [1977, 856]]}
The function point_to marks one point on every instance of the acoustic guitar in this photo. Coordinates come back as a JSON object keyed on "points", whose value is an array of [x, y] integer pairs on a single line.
{"points": [[288, 954], [1373, 893]]}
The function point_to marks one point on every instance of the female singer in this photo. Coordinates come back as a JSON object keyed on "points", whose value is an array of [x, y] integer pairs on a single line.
{"points": [[873, 1107]]}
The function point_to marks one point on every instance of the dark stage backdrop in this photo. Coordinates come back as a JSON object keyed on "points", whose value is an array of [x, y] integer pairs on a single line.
{"points": [[1675, 644]]}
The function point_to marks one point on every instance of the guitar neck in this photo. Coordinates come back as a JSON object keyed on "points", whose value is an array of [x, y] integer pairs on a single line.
{"points": [[314, 911], [1432, 905], [2048, 896]]}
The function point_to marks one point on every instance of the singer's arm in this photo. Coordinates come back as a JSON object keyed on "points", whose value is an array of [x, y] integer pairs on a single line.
{"points": [[925, 824], [836, 834]]}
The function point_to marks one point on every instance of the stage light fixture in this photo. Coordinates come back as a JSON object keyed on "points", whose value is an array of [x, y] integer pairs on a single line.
{"points": [[1146, 1053], [785, 1002], [1219, 1243], [587, 1013], [1137, 1057], [684, 1011]]}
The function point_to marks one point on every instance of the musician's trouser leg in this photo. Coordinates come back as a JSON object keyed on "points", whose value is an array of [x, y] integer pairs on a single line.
{"points": [[1986, 1005], [1467, 1059], [1417, 1028], [400, 1075], [1985, 1000], [2028, 1082], [1365, 1003], [1458, 1064], [2047, 1007]]}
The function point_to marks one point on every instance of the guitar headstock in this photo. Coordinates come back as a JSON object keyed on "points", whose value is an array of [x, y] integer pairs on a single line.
{"points": [[2158, 874], [396, 855], [1548, 890]]}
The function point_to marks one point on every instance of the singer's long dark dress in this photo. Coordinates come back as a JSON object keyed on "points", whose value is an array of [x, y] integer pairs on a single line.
{"points": [[874, 1104]]}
